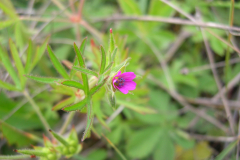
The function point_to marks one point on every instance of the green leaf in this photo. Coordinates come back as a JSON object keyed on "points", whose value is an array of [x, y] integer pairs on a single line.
{"points": [[77, 106], [17, 60], [98, 86], [43, 79], [165, 149], [74, 84], [123, 64], [7, 23], [15, 157], [29, 57], [7, 86], [86, 71], [108, 67], [82, 64], [40, 51], [114, 54], [103, 62], [83, 44], [143, 142], [59, 138], [8, 66], [111, 45], [14, 135], [56, 63], [39, 153], [134, 107], [87, 131], [226, 151], [79, 55], [63, 103], [82, 48]]}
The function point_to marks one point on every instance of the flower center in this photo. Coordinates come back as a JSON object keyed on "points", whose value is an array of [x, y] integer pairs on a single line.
{"points": [[120, 82]]}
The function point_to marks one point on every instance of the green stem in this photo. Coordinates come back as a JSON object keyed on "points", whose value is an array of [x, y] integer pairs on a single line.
{"points": [[66, 123], [37, 110]]}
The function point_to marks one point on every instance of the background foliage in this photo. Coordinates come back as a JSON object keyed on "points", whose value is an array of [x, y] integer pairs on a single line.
{"points": [[186, 102]]}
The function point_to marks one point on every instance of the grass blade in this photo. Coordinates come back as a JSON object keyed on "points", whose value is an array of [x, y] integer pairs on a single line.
{"points": [[78, 106], [103, 62], [29, 57], [226, 151], [86, 71], [74, 84], [8, 66], [43, 79], [56, 63]]}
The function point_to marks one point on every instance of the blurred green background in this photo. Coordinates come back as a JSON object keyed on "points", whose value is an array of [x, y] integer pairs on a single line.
{"points": [[174, 62]]}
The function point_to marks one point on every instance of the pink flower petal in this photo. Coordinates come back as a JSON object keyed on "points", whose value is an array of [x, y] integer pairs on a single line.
{"points": [[128, 76], [128, 85]]}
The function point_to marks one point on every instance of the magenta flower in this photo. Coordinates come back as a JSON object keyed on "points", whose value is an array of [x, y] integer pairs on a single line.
{"points": [[124, 82]]}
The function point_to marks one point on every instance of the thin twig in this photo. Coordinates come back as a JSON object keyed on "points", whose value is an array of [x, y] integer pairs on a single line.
{"points": [[213, 138], [183, 102], [230, 85], [166, 20], [115, 114], [66, 123], [217, 80], [207, 66]]}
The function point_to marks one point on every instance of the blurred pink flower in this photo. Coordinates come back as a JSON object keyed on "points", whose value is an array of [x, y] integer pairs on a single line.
{"points": [[124, 82]]}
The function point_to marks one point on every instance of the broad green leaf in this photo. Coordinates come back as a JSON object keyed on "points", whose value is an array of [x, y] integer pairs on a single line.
{"points": [[114, 54], [63, 103], [77, 106], [74, 84], [7, 86], [40, 51], [86, 71], [98, 86], [29, 57], [56, 63], [99, 154], [8, 66], [43, 79], [17, 61], [142, 142], [14, 135], [129, 7], [165, 148], [103, 62], [226, 151], [137, 108]]}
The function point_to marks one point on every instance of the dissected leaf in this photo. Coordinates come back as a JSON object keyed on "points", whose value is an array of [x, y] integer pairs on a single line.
{"points": [[87, 71], [74, 84], [63, 103], [43, 79], [56, 63], [77, 106], [7, 86], [8, 66], [103, 62], [97, 87], [29, 57], [17, 60]]}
